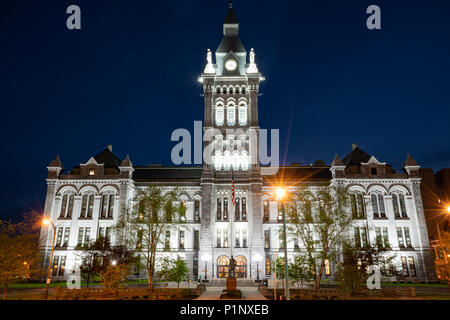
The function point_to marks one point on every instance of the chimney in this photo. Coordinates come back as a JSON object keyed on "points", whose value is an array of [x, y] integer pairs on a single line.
{"points": [[109, 147], [354, 146]]}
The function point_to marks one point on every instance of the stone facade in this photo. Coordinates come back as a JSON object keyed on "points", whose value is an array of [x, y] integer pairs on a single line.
{"points": [[87, 201]]}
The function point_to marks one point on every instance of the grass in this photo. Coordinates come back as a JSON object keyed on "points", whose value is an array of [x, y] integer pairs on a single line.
{"points": [[429, 285]]}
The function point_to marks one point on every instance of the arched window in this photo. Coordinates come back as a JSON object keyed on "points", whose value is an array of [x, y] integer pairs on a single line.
{"points": [[225, 209], [67, 206], [378, 205], [308, 211], [87, 205], [219, 209], [231, 114], [266, 211], [227, 160], [242, 114], [398, 201], [358, 207], [236, 160], [218, 160], [244, 209], [218, 90], [237, 215], [197, 210], [243, 90], [107, 207], [219, 115], [244, 160]]}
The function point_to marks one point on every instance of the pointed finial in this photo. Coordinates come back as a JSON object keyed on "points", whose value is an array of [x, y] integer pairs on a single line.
{"points": [[231, 4]]}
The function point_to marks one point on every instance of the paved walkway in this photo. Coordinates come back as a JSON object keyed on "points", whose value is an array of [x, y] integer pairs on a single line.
{"points": [[213, 293]]}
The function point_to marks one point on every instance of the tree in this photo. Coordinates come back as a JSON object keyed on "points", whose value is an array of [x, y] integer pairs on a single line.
{"points": [[320, 220], [352, 269], [166, 264], [300, 270], [112, 276], [19, 250], [100, 254], [179, 272], [145, 224]]}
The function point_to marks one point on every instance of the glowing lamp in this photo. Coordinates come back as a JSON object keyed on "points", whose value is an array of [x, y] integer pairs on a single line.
{"points": [[280, 193]]}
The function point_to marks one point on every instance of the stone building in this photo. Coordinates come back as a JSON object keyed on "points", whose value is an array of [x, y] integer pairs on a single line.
{"points": [[85, 202]]}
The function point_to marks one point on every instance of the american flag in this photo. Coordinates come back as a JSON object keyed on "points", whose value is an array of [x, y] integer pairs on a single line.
{"points": [[233, 198]]}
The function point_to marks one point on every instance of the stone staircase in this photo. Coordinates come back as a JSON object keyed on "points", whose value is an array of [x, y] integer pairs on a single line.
{"points": [[240, 283]]}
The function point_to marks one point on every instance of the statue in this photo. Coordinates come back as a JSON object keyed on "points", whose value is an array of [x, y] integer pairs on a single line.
{"points": [[252, 66], [252, 56], [232, 267], [209, 57]]}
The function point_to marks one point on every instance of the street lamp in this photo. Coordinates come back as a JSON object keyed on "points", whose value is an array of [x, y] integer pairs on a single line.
{"points": [[48, 222], [206, 257], [280, 195], [257, 258]]}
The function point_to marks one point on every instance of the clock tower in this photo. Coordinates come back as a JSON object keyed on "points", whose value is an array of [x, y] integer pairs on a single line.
{"points": [[231, 153]]}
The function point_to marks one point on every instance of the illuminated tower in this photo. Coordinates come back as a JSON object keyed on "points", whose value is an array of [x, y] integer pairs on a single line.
{"points": [[231, 127]]}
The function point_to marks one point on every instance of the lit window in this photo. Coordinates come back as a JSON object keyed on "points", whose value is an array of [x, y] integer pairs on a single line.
{"points": [[91, 172], [219, 115], [327, 267], [242, 114], [231, 117]]}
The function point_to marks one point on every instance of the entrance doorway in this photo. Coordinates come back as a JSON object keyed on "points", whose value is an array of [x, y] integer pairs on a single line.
{"points": [[222, 266], [241, 267]]}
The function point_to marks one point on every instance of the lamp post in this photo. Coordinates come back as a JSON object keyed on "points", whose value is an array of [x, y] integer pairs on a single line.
{"points": [[257, 258], [280, 195], [206, 257], [443, 247], [49, 222]]}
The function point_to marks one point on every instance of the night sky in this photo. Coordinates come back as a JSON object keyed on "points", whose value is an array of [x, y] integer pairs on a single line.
{"points": [[129, 78]]}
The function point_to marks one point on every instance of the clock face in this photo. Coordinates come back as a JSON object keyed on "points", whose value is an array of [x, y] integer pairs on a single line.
{"points": [[230, 65]]}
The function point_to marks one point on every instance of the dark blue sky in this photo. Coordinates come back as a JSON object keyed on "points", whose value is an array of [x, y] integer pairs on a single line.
{"points": [[128, 78]]}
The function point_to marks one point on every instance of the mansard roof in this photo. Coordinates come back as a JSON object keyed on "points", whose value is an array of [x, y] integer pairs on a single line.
{"points": [[108, 159], [296, 174], [167, 173], [356, 157]]}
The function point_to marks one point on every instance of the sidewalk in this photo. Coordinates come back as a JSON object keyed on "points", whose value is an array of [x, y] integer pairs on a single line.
{"points": [[213, 293]]}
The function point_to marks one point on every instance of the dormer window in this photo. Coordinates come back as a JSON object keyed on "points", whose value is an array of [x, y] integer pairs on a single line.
{"points": [[373, 171], [91, 172]]}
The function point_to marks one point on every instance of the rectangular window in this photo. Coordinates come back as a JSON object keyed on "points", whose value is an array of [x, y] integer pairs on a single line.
{"points": [[402, 205], [268, 267], [405, 267], [237, 239], [219, 115], [219, 238], [90, 206], [412, 266], [104, 206], [80, 236], [87, 235], [108, 233], [181, 240], [361, 207], [354, 208], [379, 239], [66, 237], [401, 242], [327, 267], [244, 238], [280, 238], [407, 237], [91, 172], [266, 239], [357, 237], [55, 265], [196, 239], [242, 115], [237, 211], [167, 241], [386, 237], [244, 209], [373, 171], [364, 236], [62, 266], [101, 232]]}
